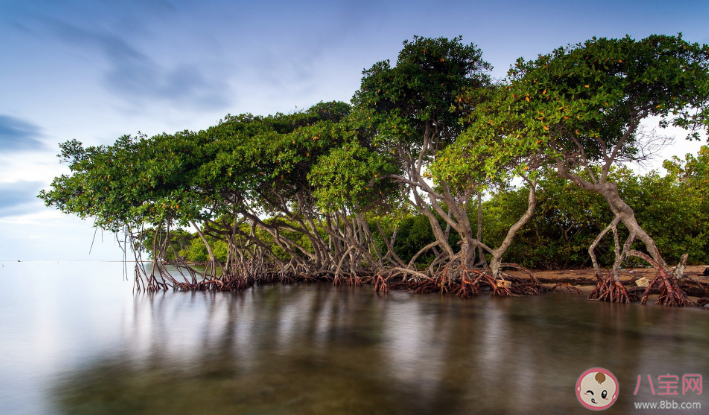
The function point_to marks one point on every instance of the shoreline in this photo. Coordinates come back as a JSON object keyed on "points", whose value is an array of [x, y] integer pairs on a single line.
{"points": [[695, 282], [586, 276]]}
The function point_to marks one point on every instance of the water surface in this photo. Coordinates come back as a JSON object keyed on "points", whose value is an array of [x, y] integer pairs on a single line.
{"points": [[75, 340]]}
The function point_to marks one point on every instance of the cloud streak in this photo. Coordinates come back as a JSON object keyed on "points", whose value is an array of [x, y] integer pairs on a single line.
{"points": [[19, 198], [17, 135], [133, 75]]}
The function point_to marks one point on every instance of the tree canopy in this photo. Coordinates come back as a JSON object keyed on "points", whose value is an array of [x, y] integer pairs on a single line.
{"points": [[306, 193]]}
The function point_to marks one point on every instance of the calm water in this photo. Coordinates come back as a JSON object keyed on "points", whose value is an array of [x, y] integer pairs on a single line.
{"points": [[75, 340]]}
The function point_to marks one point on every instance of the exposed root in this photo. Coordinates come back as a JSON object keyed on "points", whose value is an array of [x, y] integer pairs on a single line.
{"points": [[467, 288], [608, 289], [670, 292], [440, 284], [380, 284], [471, 281], [451, 277], [498, 287]]}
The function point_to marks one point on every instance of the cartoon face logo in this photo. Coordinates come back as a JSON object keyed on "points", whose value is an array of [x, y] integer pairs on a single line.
{"points": [[597, 389]]}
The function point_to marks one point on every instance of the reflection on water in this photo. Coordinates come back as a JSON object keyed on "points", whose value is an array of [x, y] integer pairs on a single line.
{"points": [[318, 349]]}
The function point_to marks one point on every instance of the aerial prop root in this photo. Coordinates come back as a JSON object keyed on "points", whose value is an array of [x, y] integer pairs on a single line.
{"points": [[380, 284], [439, 283], [498, 286], [466, 282], [354, 279], [611, 290], [468, 287], [520, 287], [415, 280], [671, 294]]}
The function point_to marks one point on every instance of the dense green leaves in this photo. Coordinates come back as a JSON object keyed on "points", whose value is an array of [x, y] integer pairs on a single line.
{"points": [[351, 177], [589, 97], [427, 84], [430, 132], [188, 176]]}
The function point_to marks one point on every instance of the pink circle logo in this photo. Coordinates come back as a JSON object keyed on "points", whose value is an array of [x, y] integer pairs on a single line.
{"points": [[597, 389]]}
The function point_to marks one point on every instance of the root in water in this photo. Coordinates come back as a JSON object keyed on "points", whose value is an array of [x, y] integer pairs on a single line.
{"points": [[608, 289], [670, 292], [354, 280], [467, 287], [380, 284]]}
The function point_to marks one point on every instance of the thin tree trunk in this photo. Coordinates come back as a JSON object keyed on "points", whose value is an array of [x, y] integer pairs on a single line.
{"points": [[212, 258], [481, 252], [497, 253]]}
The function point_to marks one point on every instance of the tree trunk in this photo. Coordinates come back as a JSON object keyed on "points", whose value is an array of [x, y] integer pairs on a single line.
{"points": [[496, 260], [212, 259], [481, 252], [620, 209]]}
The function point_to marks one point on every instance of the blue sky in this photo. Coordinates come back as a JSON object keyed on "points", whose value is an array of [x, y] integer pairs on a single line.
{"points": [[97, 70]]}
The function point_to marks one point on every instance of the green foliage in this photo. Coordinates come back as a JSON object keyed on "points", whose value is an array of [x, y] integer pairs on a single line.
{"points": [[395, 108], [494, 148], [434, 114], [413, 233], [578, 102], [196, 252], [593, 93], [351, 177], [188, 176], [674, 207], [568, 219], [427, 84]]}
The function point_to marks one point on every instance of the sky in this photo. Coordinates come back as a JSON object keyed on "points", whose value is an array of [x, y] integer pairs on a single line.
{"points": [[96, 70]]}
